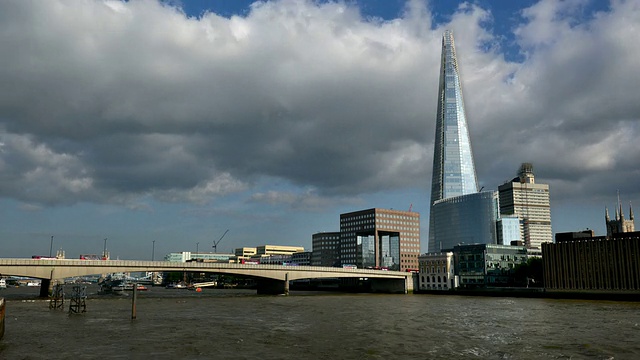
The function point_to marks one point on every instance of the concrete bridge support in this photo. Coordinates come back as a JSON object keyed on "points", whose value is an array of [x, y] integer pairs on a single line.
{"points": [[273, 287], [45, 288], [390, 286]]}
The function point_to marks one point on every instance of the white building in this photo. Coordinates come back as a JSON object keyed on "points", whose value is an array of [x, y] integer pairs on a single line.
{"points": [[436, 271], [529, 201]]}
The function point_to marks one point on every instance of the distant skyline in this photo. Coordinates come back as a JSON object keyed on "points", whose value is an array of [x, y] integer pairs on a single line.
{"points": [[174, 121]]}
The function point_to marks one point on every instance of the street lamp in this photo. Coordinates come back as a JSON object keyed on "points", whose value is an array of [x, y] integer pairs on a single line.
{"points": [[104, 252], [197, 246], [153, 249], [51, 247]]}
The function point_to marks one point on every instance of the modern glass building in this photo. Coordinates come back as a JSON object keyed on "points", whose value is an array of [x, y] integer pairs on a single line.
{"points": [[508, 228], [464, 219], [482, 265], [454, 171]]}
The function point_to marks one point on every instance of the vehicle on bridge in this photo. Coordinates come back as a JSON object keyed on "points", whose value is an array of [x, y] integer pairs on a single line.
{"points": [[91, 257]]}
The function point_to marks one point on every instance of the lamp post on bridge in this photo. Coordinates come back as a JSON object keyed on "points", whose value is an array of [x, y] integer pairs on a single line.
{"points": [[197, 248], [51, 247], [153, 249], [104, 252]]}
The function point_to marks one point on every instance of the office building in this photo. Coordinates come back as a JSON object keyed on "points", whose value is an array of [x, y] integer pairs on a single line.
{"points": [[380, 238], [575, 235], [437, 271], [599, 263], [454, 171], [276, 259], [185, 256], [529, 201], [278, 250], [325, 249], [301, 258], [245, 252], [487, 265], [464, 219], [508, 230]]}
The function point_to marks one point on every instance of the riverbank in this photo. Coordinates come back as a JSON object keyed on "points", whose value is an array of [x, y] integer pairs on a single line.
{"points": [[537, 293]]}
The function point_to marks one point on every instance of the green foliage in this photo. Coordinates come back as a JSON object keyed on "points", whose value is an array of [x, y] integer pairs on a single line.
{"points": [[530, 272]]}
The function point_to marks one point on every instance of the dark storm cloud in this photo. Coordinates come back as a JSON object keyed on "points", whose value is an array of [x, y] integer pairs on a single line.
{"points": [[107, 101]]}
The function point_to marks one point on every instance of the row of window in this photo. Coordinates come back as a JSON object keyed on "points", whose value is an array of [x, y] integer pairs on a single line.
{"points": [[432, 279], [434, 286], [378, 215], [406, 230]]}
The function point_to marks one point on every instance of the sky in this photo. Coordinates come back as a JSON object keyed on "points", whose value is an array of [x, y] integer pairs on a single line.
{"points": [[160, 125]]}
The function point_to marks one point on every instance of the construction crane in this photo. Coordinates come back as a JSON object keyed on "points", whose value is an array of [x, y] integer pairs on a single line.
{"points": [[215, 243]]}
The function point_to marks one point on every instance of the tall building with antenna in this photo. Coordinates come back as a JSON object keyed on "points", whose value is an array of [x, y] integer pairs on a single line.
{"points": [[459, 213], [529, 201]]}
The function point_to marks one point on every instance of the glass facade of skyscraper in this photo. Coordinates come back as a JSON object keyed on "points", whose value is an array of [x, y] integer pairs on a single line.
{"points": [[508, 230], [454, 171], [465, 219]]}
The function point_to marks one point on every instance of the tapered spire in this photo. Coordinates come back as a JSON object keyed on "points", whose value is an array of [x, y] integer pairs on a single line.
{"points": [[454, 172]]}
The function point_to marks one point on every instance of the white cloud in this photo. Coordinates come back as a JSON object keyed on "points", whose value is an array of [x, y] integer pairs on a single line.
{"points": [[115, 101]]}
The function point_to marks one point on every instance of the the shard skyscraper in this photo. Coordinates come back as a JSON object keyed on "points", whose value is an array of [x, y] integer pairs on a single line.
{"points": [[454, 171]]}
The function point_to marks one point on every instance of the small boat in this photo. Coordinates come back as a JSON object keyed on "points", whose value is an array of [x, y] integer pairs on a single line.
{"points": [[33, 283], [3, 284], [112, 286], [177, 286]]}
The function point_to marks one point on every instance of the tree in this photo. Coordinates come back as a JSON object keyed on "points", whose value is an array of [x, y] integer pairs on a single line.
{"points": [[530, 273]]}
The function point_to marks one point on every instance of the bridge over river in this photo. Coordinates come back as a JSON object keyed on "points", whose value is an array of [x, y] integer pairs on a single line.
{"points": [[271, 279]]}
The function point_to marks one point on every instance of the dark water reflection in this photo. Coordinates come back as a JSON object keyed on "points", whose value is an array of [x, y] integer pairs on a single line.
{"points": [[226, 324]]}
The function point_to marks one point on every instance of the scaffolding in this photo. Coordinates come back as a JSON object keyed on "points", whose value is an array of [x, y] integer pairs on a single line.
{"points": [[78, 303], [56, 300]]}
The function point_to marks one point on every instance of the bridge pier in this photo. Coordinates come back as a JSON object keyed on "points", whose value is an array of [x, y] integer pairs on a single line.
{"points": [[391, 286], [45, 288], [273, 287]]}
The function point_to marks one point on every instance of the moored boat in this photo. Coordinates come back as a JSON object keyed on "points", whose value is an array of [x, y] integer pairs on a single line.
{"points": [[178, 285]]}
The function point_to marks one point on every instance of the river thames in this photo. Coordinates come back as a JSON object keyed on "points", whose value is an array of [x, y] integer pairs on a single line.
{"points": [[237, 324]]}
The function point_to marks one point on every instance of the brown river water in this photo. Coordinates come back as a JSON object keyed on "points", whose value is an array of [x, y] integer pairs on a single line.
{"points": [[238, 324]]}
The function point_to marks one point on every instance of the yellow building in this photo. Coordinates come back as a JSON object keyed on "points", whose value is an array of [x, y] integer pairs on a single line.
{"points": [[278, 250], [245, 251]]}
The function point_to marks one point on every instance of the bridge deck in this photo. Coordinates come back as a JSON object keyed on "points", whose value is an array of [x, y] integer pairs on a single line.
{"points": [[58, 269]]}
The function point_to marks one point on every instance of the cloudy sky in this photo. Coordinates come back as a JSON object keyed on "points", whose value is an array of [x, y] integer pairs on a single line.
{"points": [[172, 122]]}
